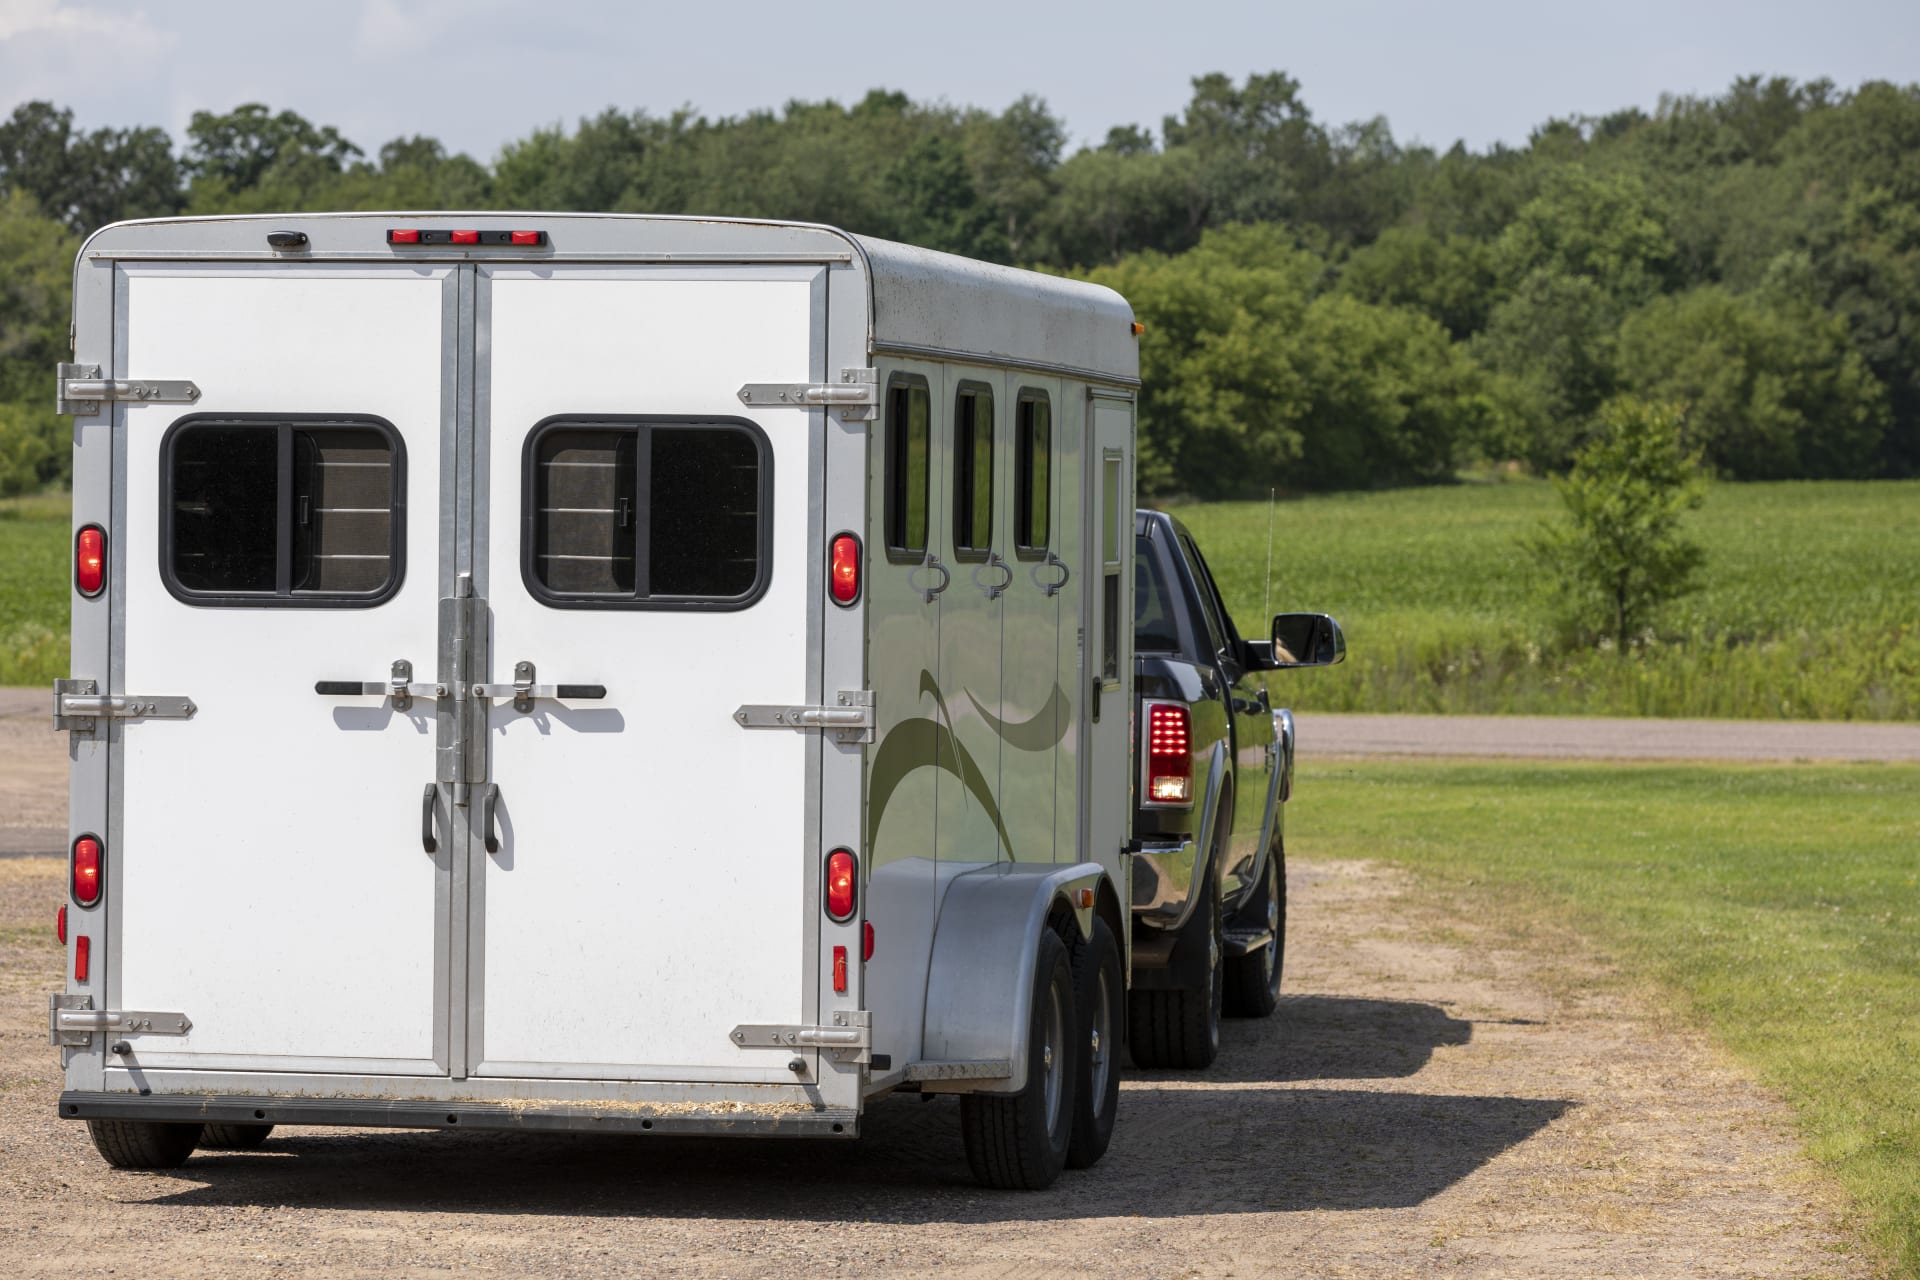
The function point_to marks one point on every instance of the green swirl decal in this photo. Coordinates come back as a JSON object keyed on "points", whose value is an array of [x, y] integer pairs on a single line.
{"points": [[1042, 733], [918, 742]]}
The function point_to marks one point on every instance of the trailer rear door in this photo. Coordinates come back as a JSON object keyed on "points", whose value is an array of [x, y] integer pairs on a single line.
{"points": [[266, 875], [652, 885]]}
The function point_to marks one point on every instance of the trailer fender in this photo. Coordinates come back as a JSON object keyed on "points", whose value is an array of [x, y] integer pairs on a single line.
{"points": [[980, 980]]}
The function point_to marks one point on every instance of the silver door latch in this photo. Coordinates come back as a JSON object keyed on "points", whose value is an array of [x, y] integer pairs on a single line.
{"points": [[81, 390], [78, 705], [72, 1020], [849, 1039], [399, 685], [850, 719], [524, 691], [856, 397]]}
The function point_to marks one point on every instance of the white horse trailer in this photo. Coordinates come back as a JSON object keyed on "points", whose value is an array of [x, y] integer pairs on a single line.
{"points": [[593, 673]]}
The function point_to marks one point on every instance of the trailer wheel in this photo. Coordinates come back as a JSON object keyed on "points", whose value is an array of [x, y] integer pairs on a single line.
{"points": [[1019, 1141], [143, 1144], [234, 1137], [1099, 1006], [1181, 1029], [1253, 980]]}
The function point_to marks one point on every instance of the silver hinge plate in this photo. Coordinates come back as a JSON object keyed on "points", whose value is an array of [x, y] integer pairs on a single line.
{"points": [[849, 719], [72, 1020], [78, 705], [855, 397], [849, 1039], [82, 391]]}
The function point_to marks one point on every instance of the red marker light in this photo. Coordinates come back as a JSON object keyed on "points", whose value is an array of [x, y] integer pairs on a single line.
{"points": [[866, 940], [90, 560], [86, 871], [841, 870], [839, 969], [843, 571], [82, 954], [466, 237], [529, 237], [60, 926], [409, 236]]}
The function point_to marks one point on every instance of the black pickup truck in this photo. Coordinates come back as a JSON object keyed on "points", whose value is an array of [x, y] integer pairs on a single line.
{"points": [[1215, 768]]}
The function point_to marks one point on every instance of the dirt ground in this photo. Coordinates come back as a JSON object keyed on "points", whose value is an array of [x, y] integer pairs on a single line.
{"points": [[1436, 1096]]}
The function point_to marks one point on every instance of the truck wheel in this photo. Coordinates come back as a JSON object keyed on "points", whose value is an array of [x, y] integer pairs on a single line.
{"points": [[1253, 980], [1102, 1016], [1019, 1141], [234, 1137], [1181, 1029], [143, 1144]]}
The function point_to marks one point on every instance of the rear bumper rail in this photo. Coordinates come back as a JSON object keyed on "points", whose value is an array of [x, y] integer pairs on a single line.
{"points": [[778, 1120]]}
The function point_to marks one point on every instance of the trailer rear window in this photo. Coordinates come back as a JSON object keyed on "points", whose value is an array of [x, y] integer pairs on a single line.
{"points": [[286, 511], [647, 514]]}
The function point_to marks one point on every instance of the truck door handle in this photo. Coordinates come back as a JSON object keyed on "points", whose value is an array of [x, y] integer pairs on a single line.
{"points": [[427, 841], [524, 691], [400, 686], [487, 800]]}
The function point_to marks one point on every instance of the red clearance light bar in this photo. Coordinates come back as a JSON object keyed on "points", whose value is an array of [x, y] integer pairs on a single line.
{"points": [[421, 235]]}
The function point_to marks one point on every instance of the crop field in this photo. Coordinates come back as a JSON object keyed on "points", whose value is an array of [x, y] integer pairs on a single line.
{"points": [[1779, 906], [1809, 608]]}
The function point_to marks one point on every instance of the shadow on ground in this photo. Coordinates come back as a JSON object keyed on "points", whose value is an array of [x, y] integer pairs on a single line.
{"points": [[1230, 1140]]}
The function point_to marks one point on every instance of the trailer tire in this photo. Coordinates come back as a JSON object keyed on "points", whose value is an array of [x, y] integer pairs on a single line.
{"points": [[143, 1144], [1253, 980], [234, 1137], [1018, 1142], [1181, 1029], [1099, 1001]]}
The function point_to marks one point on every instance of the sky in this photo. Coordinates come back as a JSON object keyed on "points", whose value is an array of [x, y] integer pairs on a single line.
{"points": [[480, 73]]}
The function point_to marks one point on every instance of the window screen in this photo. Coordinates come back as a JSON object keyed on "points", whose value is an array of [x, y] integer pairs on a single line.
{"points": [[292, 512], [973, 472], [909, 429], [1033, 444], [647, 514]]}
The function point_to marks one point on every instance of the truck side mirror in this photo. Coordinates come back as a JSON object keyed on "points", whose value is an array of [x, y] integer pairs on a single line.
{"points": [[1306, 640]]}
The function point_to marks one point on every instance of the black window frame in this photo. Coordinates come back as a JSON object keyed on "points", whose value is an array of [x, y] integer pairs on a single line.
{"points": [[1023, 489], [644, 422], [964, 472], [288, 423], [894, 478]]}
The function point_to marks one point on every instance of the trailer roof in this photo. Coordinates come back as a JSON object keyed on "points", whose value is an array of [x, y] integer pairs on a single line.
{"points": [[920, 302]]}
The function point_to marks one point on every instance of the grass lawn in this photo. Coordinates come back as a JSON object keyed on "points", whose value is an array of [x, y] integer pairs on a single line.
{"points": [[1810, 606], [34, 535], [1780, 906]]}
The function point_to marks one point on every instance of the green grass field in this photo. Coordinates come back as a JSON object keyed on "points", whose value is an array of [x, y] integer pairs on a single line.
{"points": [[33, 589], [1810, 609], [1779, 906]]}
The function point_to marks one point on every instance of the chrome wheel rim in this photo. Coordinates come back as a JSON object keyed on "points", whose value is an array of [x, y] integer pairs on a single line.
{"points": [[1053, 1063], [1101, 1043]]}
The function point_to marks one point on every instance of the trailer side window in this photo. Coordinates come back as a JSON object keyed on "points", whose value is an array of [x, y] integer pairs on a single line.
{"points": [[973, 472], [909, 431], [300, 512], [1033, 464], [647, 514]]}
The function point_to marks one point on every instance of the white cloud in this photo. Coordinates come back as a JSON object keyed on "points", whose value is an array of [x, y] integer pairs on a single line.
{"points": [[391, 27], [49, 46]]}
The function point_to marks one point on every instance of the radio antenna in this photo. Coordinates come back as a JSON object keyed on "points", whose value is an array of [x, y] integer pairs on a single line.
{"points": [[1268, 611]]}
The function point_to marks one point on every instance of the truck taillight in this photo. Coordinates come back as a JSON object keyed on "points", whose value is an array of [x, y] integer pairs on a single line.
{"points": [[86, 871], [1169, 754], [842, 871], [90, 560], [843, 569]]}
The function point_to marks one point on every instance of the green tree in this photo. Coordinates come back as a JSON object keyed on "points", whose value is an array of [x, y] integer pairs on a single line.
{"points": [[1620, 554], [36, 262]]}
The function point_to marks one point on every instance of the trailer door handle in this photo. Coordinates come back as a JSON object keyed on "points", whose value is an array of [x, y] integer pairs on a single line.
{"points": [[400, 686], [487, 800], [427, 841], [524, 691]]}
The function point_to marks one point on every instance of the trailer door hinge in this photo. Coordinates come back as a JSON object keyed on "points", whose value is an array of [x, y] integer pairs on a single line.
{"points": [[78, 705], [82, 391], [856, 397], [849, 1039], [849, 719], [72, 1020]]}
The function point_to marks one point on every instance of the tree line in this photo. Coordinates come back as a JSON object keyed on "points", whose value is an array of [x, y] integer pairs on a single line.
{"points": [[1326, 307]]}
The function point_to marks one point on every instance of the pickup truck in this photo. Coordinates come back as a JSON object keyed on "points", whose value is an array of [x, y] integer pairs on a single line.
{"points": [[1215, 770]]}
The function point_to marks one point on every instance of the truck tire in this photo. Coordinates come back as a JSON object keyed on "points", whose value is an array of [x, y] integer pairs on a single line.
{"points": [[1018, 1142], [234, 1137], [143, 1144], [1253, 980], [1099, 1000], [1181, 1029]]}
